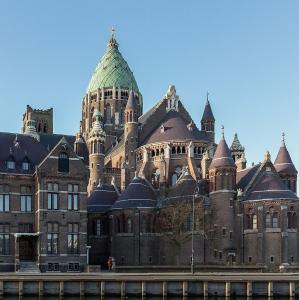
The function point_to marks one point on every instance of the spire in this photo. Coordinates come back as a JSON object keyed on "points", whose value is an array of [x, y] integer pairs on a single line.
{"points": [[112, 42], [207, 114], [222, 156], [236, 145], [283, 162]]}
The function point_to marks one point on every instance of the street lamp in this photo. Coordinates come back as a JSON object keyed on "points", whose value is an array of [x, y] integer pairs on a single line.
{"points": [[195, 194]]}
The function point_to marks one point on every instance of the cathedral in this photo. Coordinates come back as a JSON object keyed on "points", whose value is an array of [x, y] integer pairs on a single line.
{"points": [[150, 189]]}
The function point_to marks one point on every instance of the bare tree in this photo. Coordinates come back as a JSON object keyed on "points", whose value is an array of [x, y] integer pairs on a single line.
{"points": [[176, 221]]}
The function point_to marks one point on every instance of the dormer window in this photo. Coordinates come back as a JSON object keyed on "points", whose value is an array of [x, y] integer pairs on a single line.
{"points": [[11, 164], [63, 163], [25, 165]]}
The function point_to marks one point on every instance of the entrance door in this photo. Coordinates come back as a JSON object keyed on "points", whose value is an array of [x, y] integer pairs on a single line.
{"points": [[26, 248]]}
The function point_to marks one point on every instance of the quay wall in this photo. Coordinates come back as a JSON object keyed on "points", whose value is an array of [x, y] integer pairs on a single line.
{"points": [[151, 284]]}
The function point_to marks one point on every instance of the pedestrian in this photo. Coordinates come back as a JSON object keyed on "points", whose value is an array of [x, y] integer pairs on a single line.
{"points": [[113, 264], [109, 263]]}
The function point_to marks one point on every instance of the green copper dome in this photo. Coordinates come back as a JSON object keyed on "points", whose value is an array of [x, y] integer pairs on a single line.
{"points": [[112, 70]]}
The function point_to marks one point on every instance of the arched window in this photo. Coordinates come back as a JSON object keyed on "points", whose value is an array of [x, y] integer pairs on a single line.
{"points": [[275, 220], [268, 220], [117, 225], [108, 114], [98, 227], [129, 225], [156, 178], [63, 163], [45, 127], [292, 218], [173, 150], [176, 174], [254, 221], [183, 150]]}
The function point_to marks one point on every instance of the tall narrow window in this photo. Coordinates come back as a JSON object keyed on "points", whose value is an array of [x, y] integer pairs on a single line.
{"points": [[10, 163], [25, 164], [73, 238], [129, 225], [108, 114], [52, 236], [268, 220], [254, 221], [63, 163], [98, 227], [52, 196], [26, 199], [275, 220], [73, 196], [4, 198], [4, 239], [176, 174]]}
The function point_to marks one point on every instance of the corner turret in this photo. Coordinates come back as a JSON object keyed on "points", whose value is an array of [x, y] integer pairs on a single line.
{"points": [[285, 167], [208, 120], [96, 145]]}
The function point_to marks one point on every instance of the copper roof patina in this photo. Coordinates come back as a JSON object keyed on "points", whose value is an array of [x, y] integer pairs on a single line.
{"points": [[112, 70]]}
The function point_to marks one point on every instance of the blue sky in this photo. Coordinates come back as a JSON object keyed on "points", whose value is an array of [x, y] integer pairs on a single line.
{"points": [[245, 53]]}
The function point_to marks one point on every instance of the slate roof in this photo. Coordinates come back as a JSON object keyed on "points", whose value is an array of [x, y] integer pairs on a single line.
{"points": [[283, 162], [175, 128], [51, 140], [102, 198], [138, 194], [184, 188], [244, 176], [269, 186], [222, 156], [20, 147], [207, 114]]}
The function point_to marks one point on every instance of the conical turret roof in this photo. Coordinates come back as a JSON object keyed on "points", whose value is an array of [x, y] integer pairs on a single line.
{"points": [[207, 114], [283, 162], [132, 102], [112, 70], [236, 145], [138, 194], [222, 157]]}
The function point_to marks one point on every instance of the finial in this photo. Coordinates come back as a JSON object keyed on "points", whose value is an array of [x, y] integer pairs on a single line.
{"points": [[222, 131], [267, 156], [208, 97], [112, 42], [283, 137]]}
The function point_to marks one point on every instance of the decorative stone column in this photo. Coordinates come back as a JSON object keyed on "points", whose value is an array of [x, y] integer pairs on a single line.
{"points": [[260, 236]]}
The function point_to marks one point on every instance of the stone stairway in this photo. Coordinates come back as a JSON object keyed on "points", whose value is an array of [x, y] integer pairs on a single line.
{"points": [[29, 267]]}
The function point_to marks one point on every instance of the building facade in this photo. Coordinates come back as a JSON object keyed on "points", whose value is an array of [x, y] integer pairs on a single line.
{"points": [[141, 187]]}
